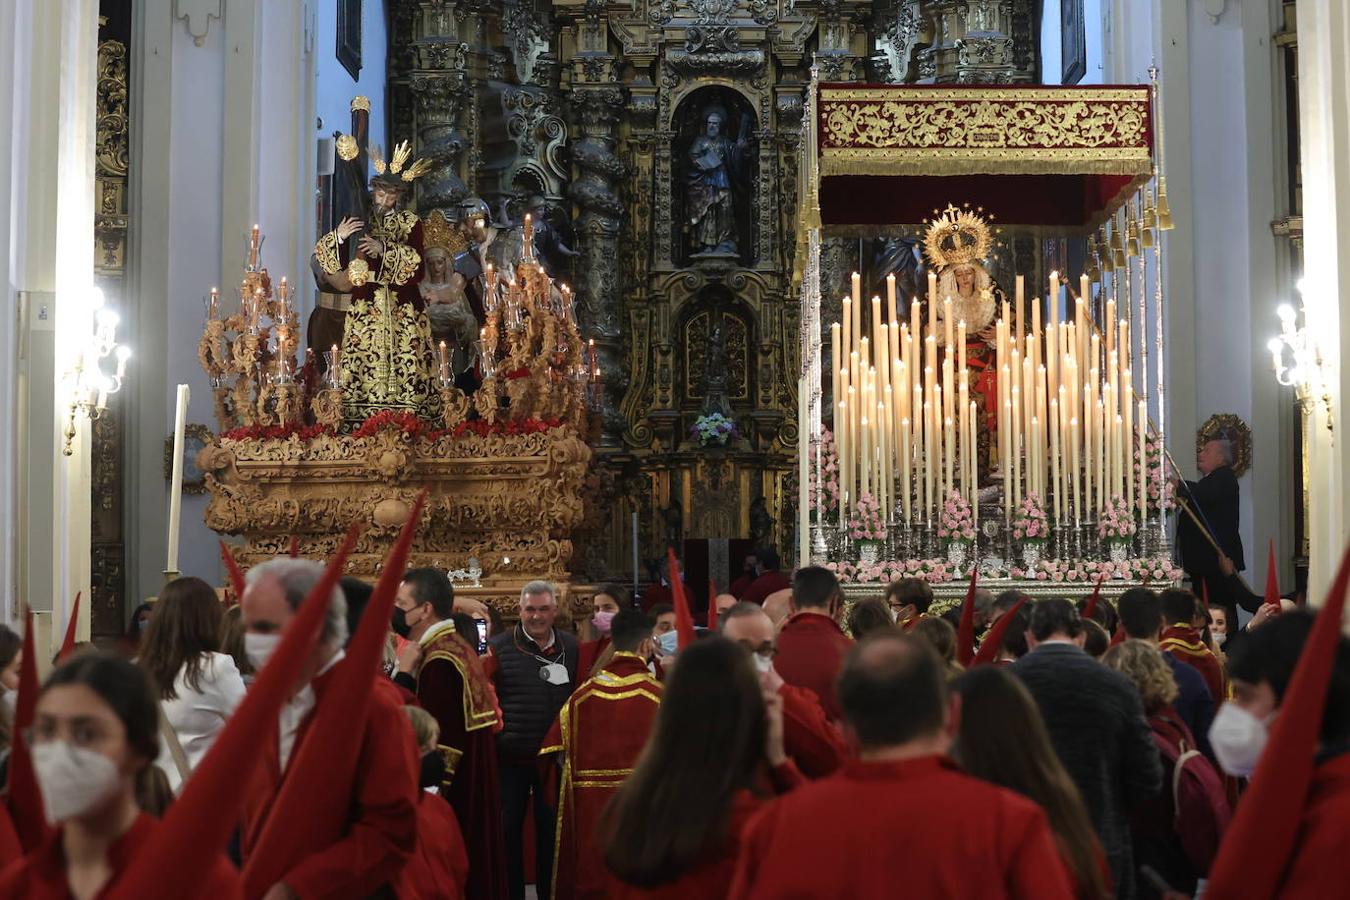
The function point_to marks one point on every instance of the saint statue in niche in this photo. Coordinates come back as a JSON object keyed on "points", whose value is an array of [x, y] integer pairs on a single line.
{"points": [[716, 163]]}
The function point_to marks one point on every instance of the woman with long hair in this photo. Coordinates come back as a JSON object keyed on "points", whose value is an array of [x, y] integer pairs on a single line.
{"points": [[94, 741], [1003, 740], [673, 828], [198, 686]]}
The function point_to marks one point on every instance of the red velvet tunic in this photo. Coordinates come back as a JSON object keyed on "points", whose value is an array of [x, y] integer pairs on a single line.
{"points": [[439, 869], [381, 833], [1318, 869], [915, 828], [600, 733], [1186, 645], [41, 875], [812, 741], [811, 649], [452, 686]]}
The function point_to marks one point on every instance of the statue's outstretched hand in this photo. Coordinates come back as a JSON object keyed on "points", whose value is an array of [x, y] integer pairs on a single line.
{"points": [[370, 246], [348, 227]]}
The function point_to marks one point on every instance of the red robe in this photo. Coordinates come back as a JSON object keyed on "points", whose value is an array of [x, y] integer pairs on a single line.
{"points": [[813, 742], [1186, 645], [41, 875], [587, 655], [940, 833], [712, 879], [440, 868], [811, 648], [600, 733], [382, 833], [769, 583], [452, 686], [1318, 869], [740, 585]]}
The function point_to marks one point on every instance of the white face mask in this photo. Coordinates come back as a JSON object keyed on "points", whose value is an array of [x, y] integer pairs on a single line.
{"points": [[1238, 737], [1219, 638], [259, 648], [73, 780], [762, 663]]}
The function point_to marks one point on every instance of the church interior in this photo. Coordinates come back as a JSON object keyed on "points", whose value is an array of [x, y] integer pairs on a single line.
{"points": [[573, 269]]}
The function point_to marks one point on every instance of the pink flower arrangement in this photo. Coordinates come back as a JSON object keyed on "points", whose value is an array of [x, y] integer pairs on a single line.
{"points": [[956, 521], [933, 571], [1117, 520], [867, 524], [1159, 488], [826, 501], [1084, 572], [1031, 523]]}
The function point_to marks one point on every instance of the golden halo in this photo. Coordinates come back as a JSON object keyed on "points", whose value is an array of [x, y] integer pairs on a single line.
{"points": [[957, 236]]}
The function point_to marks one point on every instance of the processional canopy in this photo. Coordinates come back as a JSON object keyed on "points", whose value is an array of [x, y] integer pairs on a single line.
{"points": [[1061, 159]]}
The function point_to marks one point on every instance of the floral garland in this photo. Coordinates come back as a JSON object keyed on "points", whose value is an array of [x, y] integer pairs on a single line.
{"points": [[1117, 520], [826, 501], [957, 521], [1141, 571], [1031, 523], [1159, 489], [933, 571], [305, 433], [714, 428], [866, 524]]}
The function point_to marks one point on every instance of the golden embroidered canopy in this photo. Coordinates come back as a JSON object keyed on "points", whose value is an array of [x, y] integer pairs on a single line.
{"points": [[1059, 158]]}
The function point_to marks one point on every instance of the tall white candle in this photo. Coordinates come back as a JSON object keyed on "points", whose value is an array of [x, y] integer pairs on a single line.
{"points": [[803, 478], [176, 481]]}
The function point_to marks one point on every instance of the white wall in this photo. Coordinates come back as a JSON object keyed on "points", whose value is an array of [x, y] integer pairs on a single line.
{"points": [[1219, 90], [334, 87], [1095, 24]]}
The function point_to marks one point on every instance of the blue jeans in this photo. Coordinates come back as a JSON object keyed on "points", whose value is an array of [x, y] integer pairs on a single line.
{"points": [[520, 781]]}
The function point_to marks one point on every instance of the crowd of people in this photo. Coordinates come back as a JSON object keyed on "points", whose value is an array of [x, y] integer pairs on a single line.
{"points": [[326, 739]]}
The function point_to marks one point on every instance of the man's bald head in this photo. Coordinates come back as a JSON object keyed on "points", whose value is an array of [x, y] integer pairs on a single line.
{"points": [[749, 626], [778, 606], [724, 602], [892, 691]]}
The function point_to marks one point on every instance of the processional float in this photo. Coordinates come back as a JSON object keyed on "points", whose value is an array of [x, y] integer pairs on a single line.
{"points": [[1022, 434], [296, 460]]}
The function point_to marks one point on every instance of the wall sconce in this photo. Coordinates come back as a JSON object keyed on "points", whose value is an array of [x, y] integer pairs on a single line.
{"points": [[87, 385], [1297, 361]]}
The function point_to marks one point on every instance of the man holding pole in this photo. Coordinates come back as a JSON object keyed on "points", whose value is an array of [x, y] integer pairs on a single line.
{"points": [[1210, 528]]}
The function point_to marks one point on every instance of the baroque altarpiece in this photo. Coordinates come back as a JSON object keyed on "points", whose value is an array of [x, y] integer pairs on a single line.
{"points": [[660, 139]]}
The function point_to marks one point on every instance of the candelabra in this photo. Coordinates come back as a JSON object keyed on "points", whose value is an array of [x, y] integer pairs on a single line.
{"points": [[87, 384], [1298, 362]]}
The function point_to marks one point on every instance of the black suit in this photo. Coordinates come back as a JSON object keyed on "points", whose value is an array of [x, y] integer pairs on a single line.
{"points": [[1097, 726], [1214, 499]]}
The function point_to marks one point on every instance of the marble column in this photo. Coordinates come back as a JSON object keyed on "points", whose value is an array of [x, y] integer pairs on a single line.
{"points": [[1324, 123], [596, 108]]}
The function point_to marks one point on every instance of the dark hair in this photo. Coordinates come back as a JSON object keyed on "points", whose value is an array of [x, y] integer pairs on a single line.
{"points": [[358, 594], [1141, 613], [618, 592], [11, 642], [466, 626], [124, 686], [183, 629], [1006, 600], [1179, 605], [629, 628], [1054, 615], [232, 639], [432, 586], [1104, 615], [1271, 652], [768, 558], [814, 587], [867, 616], [706, 746], [1015, 637], [660, 609], [938, 632], [1003, 740], [911, 592], [133, 633], [892, 689], [1095, 638]]}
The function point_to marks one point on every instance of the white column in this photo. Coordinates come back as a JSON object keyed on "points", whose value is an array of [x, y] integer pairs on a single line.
{"points": [[1324, 109]]}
